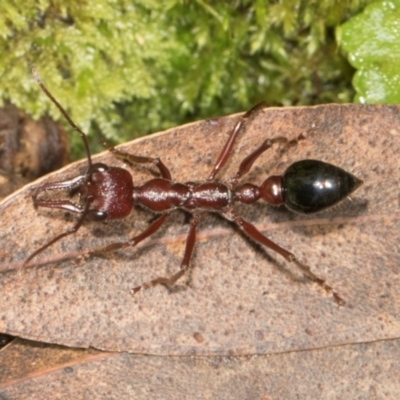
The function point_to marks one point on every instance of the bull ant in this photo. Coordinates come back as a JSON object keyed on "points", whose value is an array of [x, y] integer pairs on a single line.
{"points": [[108, 193]]}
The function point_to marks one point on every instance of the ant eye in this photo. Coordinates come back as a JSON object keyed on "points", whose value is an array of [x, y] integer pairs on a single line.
{"points": [[97, 215], [99, 167]]}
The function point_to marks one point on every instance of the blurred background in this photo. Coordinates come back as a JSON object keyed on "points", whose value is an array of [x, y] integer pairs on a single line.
{"points": [[126, 68]]}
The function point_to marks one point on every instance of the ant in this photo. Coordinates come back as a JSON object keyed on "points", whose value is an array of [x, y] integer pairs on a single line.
{"points": [[107, 193]]}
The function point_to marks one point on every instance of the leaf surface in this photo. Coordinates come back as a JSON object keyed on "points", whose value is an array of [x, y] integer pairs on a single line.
{"points": [[238, 298]]}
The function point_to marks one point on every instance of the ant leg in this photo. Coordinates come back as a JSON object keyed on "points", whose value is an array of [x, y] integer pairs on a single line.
{"points": [[83, 212], [248, 162], [252, 232], [132, 159], [190, 242], [150, 230], [226, 151]]}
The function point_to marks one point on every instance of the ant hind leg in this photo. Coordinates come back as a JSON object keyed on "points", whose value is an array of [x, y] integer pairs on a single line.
{"points": [[248, 161], [253, 233], [227, 149]]}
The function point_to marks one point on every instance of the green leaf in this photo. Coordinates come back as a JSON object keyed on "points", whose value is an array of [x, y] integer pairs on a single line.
{"points": [[372, 40]]}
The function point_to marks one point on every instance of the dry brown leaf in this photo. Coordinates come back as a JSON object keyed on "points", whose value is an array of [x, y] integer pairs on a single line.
{"points": [[239, 299], [359, 371]]}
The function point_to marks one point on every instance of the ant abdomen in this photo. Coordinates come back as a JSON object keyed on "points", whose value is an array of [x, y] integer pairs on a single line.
{"points": [[310, 186]]}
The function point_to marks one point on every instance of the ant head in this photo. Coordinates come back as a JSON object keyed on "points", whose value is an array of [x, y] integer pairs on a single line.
{"points": [[109, 192], [106, 193]]}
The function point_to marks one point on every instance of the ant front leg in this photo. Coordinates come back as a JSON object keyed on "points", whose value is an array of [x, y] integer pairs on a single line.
{"points": [[150, 230], [190, 242], [253, 233], [84, 212], [133, 159]]}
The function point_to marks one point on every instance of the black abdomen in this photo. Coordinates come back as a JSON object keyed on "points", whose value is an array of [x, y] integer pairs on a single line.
{"points": [[309, 186]]}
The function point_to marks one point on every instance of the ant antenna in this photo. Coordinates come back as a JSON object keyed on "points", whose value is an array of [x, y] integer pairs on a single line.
{"points": [[67, 117]]}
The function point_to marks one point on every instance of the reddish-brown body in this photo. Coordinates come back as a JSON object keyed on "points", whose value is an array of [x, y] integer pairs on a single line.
{"points": [[109, 193], [161, 195]]}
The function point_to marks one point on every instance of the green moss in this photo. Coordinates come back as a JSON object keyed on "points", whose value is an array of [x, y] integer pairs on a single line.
{"points": [[131, 67]]}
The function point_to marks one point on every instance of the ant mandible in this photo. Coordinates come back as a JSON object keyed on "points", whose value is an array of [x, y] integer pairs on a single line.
{"points": [[107, 193]]}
